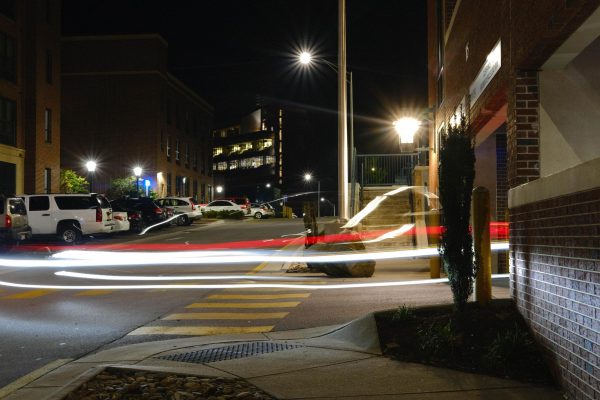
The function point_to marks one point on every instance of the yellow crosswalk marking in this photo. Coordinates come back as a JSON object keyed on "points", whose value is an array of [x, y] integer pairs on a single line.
{"points": [[283, 304], [241, 316], [94, 292], [199, 330], [30, 294], [259, 296]]}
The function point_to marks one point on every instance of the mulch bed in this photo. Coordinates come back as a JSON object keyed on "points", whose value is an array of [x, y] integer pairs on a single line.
{"points": [[493, 340]]}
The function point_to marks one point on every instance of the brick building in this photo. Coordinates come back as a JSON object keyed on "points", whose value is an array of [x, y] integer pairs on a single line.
{"points": [[122, 109], [262, 155], [29, 96], [526, 75]]}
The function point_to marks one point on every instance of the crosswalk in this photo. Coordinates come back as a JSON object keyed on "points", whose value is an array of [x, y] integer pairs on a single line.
{"points": [[228, 312]]}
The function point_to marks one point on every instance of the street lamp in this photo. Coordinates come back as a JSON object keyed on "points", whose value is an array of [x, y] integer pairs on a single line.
{"points": [[308, 178], [219, 189], [91, 167], [406, 128], [137, 171], [330, 203], [345, 137]]}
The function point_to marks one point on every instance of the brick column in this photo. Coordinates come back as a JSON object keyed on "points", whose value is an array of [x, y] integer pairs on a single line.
{"points": [[523, 160]]}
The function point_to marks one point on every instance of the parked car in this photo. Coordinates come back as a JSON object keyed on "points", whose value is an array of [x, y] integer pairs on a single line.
{"points": [[185, 207], [69, 216], [243, 202], [120, 218], [143, 212], [14, 223], [261, 210], [222, 205]]}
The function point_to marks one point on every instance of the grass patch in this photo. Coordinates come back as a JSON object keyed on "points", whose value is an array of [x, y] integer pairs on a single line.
{"points": [[493, 340]]}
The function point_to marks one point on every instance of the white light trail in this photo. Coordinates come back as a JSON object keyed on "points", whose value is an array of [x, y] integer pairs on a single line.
{"points": [[179, 278], [79, 258]]}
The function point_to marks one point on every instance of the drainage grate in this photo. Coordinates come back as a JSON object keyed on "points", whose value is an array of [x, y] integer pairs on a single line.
{"points": [[232, 352]]}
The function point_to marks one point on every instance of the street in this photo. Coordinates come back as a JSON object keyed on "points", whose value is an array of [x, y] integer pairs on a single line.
{"points": [[39, 325]]}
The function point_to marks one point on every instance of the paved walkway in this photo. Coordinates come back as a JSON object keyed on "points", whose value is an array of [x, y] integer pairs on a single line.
{"points": [[342, 362]]}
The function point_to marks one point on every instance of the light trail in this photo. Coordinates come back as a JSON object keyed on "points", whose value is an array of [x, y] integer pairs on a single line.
{"points": [[79, 258], [361, 285], [179, 278]]}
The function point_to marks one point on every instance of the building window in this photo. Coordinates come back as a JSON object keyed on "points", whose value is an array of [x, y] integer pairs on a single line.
{"points": [[176, 149], [168, 184], [187, 155], [222, 166], [217, 151], [48, 67], [47, 180], [270, 160], [48, 125], [8, 58], [169, 146], [8, 131], [7, 8]]}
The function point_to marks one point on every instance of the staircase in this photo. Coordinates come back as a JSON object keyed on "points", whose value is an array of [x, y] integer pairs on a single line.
{"points": [[388, 216]]}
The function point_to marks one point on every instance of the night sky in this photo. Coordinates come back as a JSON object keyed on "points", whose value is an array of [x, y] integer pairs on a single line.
{"points": [[229, 51]]}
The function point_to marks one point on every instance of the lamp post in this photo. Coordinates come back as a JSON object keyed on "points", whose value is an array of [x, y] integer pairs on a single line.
{"points": [[91, 167], [330, 203], [345, 138], [406, 128], [137, 171], [308, 178]]}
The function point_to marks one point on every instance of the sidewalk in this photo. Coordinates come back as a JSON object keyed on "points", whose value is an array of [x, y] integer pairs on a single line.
{"points": [[342, 362]]}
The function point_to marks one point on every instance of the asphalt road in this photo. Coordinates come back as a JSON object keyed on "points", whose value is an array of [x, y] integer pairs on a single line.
{"points": [[41, 325]]}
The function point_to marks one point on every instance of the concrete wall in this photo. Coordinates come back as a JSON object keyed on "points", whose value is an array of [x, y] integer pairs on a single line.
{"points": [[570, 112]]}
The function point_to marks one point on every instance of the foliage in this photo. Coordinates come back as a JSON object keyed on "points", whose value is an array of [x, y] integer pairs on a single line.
{"points": [[224, 214], [509, 347], [456, 175], [70, 182], [403, 313], [120, 187], [436, 339]]}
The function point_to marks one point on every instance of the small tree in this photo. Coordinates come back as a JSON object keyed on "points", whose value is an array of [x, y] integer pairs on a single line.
{"points": [[70, 182], [121, 187], [456, 174]]}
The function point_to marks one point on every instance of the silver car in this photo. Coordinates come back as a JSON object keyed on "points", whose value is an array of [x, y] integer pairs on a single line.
{"points": [[14, 224]]}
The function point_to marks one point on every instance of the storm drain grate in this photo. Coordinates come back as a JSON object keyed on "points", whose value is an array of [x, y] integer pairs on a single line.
{"points": [[232, 352]]}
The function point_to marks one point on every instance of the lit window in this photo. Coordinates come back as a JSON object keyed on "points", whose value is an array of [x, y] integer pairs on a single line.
{"points": [[234, 164], [222, 166], [217, 151], [269, 160]]}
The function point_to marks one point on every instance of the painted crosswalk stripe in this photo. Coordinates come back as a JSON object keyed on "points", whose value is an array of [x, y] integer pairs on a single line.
{"points": [[240, 316], [94, 292], [30, 294], [258, 296], [284, 304], [198, 330]]}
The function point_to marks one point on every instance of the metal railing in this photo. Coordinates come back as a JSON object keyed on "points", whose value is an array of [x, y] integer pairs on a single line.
{"points": [[385, 169]]}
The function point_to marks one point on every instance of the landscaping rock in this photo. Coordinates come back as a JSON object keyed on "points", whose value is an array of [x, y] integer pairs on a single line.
{"points": [[354, 269]]}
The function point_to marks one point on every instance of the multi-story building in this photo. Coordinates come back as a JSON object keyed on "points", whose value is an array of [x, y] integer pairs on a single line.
{"points": [[526, 76], [260, 156], [29, 96], [123, 109]]}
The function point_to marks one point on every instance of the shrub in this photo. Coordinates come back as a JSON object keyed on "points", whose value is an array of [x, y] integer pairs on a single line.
{"points": [[456, 175], [70, 182], [403, 313]]}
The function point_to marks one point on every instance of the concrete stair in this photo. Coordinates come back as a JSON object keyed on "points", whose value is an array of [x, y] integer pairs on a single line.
{"points": [[391, 214]]}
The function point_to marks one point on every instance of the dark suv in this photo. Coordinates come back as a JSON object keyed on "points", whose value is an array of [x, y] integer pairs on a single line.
{"points": [[143, 212]]}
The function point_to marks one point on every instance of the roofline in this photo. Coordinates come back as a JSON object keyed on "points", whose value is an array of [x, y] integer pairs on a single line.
{"points": [[188, 91], [115, 37]]}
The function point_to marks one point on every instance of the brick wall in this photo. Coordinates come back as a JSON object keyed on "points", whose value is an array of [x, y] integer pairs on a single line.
{"points": [[555, 280], [523, 129]]}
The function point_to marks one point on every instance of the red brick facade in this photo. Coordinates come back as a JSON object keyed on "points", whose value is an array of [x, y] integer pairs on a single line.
{"points": [[555, 280], [523, 129]]}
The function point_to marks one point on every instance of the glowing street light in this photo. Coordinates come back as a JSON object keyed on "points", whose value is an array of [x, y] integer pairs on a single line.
{"points": [[219, 189], [137, 171], [345, 135], [91, 167], [308, 178], [406, 128]]}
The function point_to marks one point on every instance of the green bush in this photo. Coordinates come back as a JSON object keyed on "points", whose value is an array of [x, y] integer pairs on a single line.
{"points": [[456, 175], [70, 182], [224, 214], [508, 348], [403, 313]]}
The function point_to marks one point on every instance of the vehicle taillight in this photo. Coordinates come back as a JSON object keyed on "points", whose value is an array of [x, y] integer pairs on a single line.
{"points": [[243, 206], [98, 214], [118, 218], [158, 210], [7, 221], [135, 215]]}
